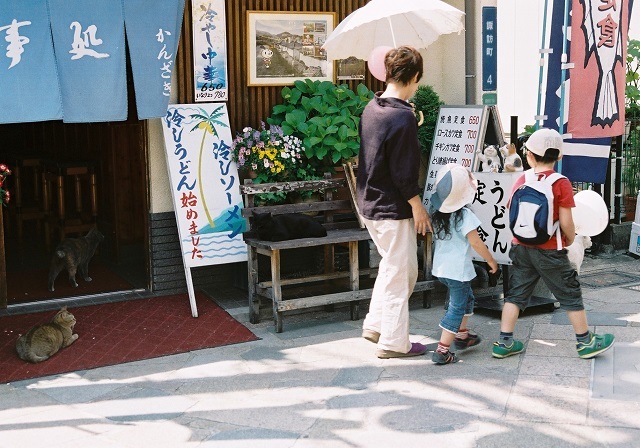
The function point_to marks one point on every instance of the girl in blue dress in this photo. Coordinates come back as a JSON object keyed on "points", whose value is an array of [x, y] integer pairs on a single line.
{"points": [[455, 234]]}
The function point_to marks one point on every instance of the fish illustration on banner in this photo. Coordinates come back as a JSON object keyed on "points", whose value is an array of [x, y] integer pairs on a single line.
{"points": [[598, 54], [204, 182], [585, 159]]}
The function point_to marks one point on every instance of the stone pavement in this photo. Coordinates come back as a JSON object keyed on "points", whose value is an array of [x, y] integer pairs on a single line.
{"points": [[319, 384]]}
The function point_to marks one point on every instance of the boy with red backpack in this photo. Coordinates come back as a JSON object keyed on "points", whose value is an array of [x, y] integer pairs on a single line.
{"points": [[539, 250]]}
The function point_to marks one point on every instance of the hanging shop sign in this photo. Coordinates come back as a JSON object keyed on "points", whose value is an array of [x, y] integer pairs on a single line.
{"points": [[66, 59], [209, 50], [90, 54], [489, 48], [598, 75], [204, 186], [28, 73], [153, 43], [583, 159]]}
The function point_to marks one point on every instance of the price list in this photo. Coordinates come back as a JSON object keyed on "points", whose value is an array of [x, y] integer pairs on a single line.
{"points": [[459, 131]]}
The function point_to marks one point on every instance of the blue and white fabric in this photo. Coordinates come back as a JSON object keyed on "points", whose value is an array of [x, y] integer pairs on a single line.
{"points": [[29, 88], [89, 43], [153, 33]]}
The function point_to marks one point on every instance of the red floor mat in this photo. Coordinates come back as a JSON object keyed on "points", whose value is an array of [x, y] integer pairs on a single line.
{"points": [[32, 285], [119, 332]]}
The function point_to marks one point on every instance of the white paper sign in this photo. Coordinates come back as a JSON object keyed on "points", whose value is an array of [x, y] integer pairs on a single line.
{"points": [[490, 206], [459, 131], [210, 50], [204, 184]]}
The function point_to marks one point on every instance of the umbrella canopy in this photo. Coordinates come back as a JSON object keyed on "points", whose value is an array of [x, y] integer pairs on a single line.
{"points": [[417, 23]]}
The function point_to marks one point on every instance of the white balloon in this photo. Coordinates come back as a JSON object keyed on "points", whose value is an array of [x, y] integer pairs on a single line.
{"points": [[590, 215]]}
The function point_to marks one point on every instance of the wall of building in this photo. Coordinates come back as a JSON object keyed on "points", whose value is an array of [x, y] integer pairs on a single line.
{"points": [[444, 71]]}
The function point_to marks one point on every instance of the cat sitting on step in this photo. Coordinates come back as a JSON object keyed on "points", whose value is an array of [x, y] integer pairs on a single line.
{"points": [[288, 226], [43, 341], [73, 254]]}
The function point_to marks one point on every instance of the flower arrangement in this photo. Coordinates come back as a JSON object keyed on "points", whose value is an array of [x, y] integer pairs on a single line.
{"points": [[4, 194], [271, 155]]}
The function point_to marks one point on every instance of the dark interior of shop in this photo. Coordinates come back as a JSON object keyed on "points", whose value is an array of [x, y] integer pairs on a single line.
{"points": [[67, 178]]}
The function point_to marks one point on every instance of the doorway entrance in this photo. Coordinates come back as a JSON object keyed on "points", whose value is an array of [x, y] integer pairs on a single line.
{"points": [[66, 179]]}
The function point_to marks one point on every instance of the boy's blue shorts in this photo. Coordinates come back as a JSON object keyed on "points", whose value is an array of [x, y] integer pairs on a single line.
{"points": [[529, 264]]}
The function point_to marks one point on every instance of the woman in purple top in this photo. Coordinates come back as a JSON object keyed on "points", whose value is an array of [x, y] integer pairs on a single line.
{"points": [[389, 202]]}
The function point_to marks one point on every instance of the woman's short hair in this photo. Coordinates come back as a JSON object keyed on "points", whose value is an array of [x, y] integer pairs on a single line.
{"points": [[402, 64]]}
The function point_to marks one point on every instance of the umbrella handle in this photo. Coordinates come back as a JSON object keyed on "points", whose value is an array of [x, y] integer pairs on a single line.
{"points": [[393, 36]]}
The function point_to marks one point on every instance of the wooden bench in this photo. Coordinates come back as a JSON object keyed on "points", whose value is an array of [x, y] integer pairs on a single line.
{"points": [[343, 229]]}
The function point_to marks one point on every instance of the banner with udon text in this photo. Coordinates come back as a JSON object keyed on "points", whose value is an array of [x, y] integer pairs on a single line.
{"points": [[204, 184]]}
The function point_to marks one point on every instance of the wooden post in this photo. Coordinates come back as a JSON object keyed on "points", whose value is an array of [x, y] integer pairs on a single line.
{"points": [[3, 265]]}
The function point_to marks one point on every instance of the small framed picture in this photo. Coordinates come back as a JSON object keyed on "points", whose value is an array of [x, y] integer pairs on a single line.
{"points": [[285, 46], [351, 68]]}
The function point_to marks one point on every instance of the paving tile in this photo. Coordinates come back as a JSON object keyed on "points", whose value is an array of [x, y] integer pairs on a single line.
{"points": [[546, 331], [616, 373], [552, 348], [555, 367], [535, 398], [594, 318]]}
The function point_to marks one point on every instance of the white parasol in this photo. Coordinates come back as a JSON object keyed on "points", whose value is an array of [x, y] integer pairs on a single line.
{"points": [[417, 23]]}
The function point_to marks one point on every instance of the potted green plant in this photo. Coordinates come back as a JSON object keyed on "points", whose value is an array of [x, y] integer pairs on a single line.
{"points": [[325, 116], [631, 149], [427, 106], [632, 86]]}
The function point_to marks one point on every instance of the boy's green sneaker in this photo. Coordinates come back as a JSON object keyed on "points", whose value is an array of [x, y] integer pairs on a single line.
{"points": [[596, 345], [504, 350]]}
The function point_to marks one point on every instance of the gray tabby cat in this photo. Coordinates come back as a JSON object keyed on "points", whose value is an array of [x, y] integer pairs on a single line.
{"points": [[44, 341]]}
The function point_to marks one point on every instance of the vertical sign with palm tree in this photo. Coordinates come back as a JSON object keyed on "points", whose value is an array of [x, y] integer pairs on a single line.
{"points": [[204, 186]]}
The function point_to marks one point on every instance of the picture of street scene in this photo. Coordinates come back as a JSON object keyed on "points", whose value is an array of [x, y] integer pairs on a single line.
{"points": [[290, 49], [351, 68]]}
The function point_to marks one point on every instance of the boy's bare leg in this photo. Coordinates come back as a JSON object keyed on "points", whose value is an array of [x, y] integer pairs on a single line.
{"points": [[510, 313], [579, 321]]}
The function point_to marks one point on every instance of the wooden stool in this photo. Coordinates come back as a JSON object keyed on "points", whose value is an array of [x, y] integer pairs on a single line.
{"points": [[27, 168], [54, 176], [25, 201]]}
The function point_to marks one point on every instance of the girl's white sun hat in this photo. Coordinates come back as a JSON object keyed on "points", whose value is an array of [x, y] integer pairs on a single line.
{"points": [[454, 188]]}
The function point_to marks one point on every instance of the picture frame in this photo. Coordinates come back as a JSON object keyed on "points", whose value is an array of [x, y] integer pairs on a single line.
{"points": [[350, 69], [285, 46]]}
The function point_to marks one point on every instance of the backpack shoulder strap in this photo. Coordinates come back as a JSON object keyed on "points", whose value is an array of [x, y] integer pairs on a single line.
{"points": [[529, 175], [553, 178]]}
